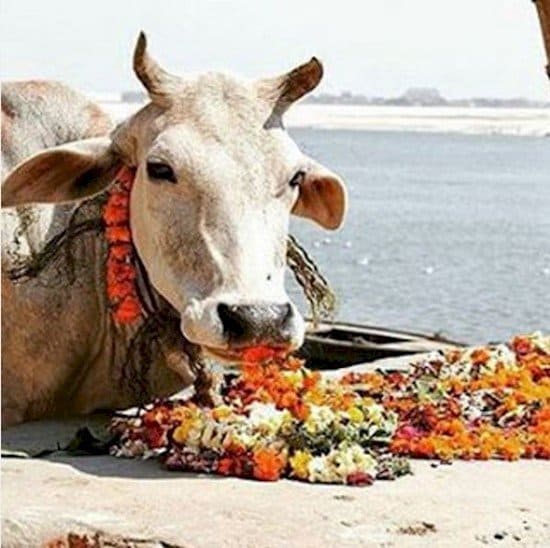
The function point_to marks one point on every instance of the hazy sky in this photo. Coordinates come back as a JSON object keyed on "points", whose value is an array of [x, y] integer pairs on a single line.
{"points": [[378, 47]]}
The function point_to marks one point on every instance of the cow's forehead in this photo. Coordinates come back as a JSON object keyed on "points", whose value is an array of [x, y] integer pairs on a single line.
{"points": [[214, 99], [270, 155], [219, 119]]}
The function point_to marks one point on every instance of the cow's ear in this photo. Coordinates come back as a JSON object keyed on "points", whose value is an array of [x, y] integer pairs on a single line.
{"points": [[322, 198], [62, 174]]}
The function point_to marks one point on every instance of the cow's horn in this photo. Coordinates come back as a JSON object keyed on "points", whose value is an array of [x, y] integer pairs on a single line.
{"points": [[284, 90], [158, 83]]}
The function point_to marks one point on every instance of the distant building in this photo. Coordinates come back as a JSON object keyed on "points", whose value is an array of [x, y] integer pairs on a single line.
{"points": [[424, 97]]}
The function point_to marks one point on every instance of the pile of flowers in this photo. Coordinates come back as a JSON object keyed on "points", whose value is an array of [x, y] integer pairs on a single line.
{"points": [[479, 403], [279, 419]]}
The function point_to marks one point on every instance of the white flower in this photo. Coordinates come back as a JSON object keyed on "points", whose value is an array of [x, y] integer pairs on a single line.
{"points": [[319, 419], [267, 418], [336, 466]]}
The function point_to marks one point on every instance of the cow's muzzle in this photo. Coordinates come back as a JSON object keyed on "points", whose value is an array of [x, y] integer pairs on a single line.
{"points": [[248, 325], [226, 330]]}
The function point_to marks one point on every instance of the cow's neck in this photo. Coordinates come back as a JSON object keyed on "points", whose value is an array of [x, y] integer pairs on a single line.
{"points": [[114, 365]]}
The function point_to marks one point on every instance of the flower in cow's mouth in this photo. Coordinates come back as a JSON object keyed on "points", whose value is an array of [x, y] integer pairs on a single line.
{"points": [[281, 420], [249, 355]]}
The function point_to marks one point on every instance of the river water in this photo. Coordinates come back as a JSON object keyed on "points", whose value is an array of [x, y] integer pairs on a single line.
{"points": [[445, 232]]}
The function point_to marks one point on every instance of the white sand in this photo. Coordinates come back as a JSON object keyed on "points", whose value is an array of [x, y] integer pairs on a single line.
{"points": [[502, 121]]}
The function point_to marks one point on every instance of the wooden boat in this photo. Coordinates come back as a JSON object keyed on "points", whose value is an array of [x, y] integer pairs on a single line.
{"points": [[331, 345]]}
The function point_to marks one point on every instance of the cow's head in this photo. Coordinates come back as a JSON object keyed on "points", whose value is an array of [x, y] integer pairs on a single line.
{"points": [[217, 177]]}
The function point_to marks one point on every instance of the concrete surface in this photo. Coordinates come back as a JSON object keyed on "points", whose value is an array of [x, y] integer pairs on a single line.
{"points": [[463, 504], [459, 505]]}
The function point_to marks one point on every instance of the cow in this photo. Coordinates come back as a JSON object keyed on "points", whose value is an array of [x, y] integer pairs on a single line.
{"points": [[215, 179]]}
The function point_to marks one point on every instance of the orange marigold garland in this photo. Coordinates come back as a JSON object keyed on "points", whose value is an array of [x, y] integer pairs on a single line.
{"points": [[122, 293]]}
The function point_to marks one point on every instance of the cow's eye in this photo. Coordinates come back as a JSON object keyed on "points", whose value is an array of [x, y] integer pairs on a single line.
{"points": [[160, 171], [297, 179]]}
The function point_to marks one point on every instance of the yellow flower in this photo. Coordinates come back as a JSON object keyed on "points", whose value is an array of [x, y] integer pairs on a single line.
{"points": [[182, 431], [294, 377], [299, 463], [221, 412], [356, 415]]}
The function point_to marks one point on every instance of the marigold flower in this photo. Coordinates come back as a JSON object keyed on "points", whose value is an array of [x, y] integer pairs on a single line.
{"points": [[258, 354], [118, 234], [118, 272], [121, 274], [486, 403], [128, 310], [120, 252], [268, 464], [356, 415], [115, 214], [120, 290], [299, 464]]}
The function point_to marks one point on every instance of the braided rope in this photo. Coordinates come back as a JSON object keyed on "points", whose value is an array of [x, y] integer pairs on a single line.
{"points": [[321, 298]]}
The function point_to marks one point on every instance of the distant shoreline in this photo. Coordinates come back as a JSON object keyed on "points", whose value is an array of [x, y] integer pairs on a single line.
{"points": [[432, 119]]}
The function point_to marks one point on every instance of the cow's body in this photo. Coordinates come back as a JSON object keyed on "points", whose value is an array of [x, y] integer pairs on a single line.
{"points": [[62, 353]]}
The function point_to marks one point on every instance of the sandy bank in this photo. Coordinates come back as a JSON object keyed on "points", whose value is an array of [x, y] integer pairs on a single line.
{"points": [[486, 121]]}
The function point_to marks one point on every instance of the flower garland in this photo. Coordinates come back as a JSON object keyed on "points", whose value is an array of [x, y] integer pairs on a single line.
{"points": [[124, 301], [279, 419]]}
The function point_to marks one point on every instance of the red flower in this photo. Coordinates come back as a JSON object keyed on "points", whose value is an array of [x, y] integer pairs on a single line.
{"points": [[119, 272], [359, 479]]}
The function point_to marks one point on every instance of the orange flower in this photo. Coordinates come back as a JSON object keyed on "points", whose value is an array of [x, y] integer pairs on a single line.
{"points": [[128, 310], [522, 345], [115, 214], [225, 466], [118, 234], [121, 274], [268, 464], [480, 356], [120, 252], [120, 290], [311, 380]]}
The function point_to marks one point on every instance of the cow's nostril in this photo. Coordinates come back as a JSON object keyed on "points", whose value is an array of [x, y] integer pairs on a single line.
{"points": [[258, 323], [234, 325]]}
